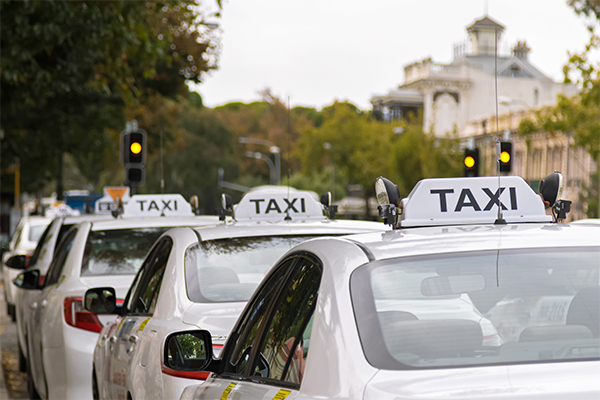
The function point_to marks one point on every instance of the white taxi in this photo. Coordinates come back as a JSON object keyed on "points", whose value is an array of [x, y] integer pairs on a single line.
{"points": [[199, 278], [361, 317], [61, 334]]}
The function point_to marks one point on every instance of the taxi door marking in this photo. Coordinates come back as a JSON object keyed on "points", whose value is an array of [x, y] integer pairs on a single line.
{"points": [[282, 394], [229, 388], [143, 324]]}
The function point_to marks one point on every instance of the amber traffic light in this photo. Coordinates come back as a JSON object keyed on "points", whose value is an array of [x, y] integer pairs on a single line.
{"points": [[471, 162], [505, 162]]}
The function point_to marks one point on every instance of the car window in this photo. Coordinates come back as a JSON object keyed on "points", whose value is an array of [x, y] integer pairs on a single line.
{"points": [[35, 231], [149, 287], [229, 270], [57, 265], [118, 251], [283, 353], [481, 307], [42, 241], [61, 233], [148, 262], [249, 327]]}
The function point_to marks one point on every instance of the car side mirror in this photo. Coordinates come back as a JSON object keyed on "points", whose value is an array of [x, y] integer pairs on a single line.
{"points": [[188, 354], [17, 262], [101, 300], [28, 280]]}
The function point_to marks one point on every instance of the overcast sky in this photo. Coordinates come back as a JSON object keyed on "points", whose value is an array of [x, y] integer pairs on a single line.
{"points": [[317, 51]]}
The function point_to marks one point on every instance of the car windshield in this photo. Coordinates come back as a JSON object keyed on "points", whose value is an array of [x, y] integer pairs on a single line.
{"points": [[490, 307], [117, 252], [228, 270]]}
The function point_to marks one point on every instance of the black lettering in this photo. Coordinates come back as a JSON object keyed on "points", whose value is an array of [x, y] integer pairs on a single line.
{"points": [[494, 198], [461, 201], [257, 204], [166, 205], [141, 203], [513, 198], [442, 193], [302, 205], [153, 205], [290, 206], [272, 206]]}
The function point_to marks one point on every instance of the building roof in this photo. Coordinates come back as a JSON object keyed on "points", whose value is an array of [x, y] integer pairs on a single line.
{"points": [[486, 63], [485, 22]]}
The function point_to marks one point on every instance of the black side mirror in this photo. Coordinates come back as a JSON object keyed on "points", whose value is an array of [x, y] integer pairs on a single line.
{"points": [[17, 262], [188, 354], [28, 280], [101, 300]]}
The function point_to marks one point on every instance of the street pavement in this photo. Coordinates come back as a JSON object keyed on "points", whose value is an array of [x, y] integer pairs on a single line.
{"points": [[12, 382]]}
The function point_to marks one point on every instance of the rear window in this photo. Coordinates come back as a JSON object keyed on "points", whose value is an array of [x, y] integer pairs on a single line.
{"points": [[117, 252], [479, 308], [229, 270], [35, 231]]}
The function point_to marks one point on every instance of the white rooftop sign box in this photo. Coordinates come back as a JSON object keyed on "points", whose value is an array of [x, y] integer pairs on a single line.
{"points": [[62, 210], [157, 205], [457, 201], [274, 205]]}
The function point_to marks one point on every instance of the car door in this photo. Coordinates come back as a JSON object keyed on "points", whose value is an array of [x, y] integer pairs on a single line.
{"points": [[39, 307], [123, 341], [266, 355]]}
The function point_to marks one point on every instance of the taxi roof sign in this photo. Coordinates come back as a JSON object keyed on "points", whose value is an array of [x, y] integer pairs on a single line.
{"points": [[457, 201], [157, 205], [276, 205], [106, 204]]}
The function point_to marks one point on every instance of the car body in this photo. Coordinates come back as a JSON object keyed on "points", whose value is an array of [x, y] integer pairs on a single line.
{"points": [[362, 316], [206, 275], [60, 333], [40, 260], [23, 242]]}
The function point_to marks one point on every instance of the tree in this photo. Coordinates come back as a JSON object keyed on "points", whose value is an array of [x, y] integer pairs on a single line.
{"points": [[69, 68]]}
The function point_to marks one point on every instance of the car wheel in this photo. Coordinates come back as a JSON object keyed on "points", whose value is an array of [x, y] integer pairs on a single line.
{"points": [[33, 394], [22, 360], [95, 392]]}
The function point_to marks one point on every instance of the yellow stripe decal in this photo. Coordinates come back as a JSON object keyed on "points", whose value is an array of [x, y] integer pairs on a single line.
{"points": [[282, 394], [227, 390], [143, 324]]}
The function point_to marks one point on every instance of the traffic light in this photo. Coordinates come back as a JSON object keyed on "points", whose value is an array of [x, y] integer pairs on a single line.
{"points": [[505, 162], [133, 153], [471, 162]]}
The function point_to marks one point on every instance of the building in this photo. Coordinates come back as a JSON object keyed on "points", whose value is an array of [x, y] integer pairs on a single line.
{"points": [[452, 95]]}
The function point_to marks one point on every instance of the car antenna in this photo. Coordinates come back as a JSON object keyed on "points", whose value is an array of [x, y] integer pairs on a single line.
{"points": [[287, 211], [500, 220]]}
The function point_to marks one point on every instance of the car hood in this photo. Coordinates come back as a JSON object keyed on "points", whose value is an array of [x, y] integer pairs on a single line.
{"points": [[217, 318], [551, 381]]}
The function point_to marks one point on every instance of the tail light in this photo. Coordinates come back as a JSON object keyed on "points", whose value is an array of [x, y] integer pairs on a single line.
{"points": [[41, 281], [77, 316], [200, 375], [27, 260]]}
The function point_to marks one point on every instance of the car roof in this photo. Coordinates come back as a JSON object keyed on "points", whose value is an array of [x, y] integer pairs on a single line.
{"points": [[455, 239], [152, 222], [35, 220], [285, 228]]}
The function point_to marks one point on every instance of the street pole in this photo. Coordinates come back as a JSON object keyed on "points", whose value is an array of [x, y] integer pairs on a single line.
{"points": [[272, 149]]}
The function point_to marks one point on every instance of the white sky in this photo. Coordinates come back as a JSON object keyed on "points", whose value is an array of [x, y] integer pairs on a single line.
{"points": [[316, 51]]}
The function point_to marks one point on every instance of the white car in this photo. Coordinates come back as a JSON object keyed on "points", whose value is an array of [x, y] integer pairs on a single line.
{"points": [[40, 260], [320, 325], [61, 333], [199, 278], [20, 250]]}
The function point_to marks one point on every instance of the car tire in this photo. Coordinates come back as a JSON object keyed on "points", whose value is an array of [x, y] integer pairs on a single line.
{"points": [[22, 360], [33, 394]]}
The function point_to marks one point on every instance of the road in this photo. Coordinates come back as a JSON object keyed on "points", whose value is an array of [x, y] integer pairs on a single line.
{"points": [[13, 384]]}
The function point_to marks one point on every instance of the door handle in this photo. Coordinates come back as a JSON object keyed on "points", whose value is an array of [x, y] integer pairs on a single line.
{"points": [[133, 339], [112, 339], [33, 305]]}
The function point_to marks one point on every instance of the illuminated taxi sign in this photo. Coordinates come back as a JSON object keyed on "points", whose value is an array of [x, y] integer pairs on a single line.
{"points": [[456, 201], [157, 205], [62, 210], [277, 205]]}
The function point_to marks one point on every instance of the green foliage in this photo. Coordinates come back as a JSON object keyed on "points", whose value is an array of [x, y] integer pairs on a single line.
{"points": [[590, 8], [69, 68], [591, 196]]}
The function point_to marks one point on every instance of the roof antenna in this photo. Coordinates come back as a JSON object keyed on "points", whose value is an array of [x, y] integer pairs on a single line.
{"points": [[500, 220], [287, 211]]}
